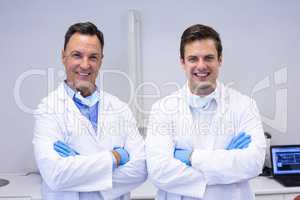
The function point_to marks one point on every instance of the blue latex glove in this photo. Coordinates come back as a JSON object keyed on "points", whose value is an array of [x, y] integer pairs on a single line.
{"points": [[241, 141], [124, 156], [63, 149], [183, 155]]}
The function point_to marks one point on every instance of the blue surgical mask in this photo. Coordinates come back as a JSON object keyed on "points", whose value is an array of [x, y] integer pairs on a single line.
{"points": [[89, 100], [201, 102]]}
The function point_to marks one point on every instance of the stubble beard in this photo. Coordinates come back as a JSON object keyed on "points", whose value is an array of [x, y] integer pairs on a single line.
{"points": [[203, 88], [85, 88]]}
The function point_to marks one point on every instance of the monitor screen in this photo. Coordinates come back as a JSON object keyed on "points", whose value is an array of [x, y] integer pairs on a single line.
{"points": [[286, 160]]}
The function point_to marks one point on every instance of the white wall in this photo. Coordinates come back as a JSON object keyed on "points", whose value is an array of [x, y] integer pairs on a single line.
{"points": [[259, 38]]}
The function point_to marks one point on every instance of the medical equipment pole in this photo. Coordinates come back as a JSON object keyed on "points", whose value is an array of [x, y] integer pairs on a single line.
{"points": [[134, 63]]}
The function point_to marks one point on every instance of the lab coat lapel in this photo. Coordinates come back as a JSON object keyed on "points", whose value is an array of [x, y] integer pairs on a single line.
{"points": [[101, 117], [193, 133], [223, 118], [196, 134], [182, 122], [108, 123], [75, 121], [222, 127]]}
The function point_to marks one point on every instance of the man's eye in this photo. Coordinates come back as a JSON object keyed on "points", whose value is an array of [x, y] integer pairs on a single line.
{"points": [[192, 59], [76, 55], [209, 58], [94, 58]]}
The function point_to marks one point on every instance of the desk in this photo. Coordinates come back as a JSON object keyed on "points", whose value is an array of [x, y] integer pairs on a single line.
{"points": [[28, 188]]}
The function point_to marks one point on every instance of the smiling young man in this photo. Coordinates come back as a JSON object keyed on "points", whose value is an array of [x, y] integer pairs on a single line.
{"points": [[86, 143], [201, 64], [206, 140]]}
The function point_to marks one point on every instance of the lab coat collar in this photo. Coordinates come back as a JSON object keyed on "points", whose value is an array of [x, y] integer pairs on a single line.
{"points": [[74, 112], [71, 92], [94, 97], [215, 95], [63, 96], [66, 92], [220, 97], [105, 108]]}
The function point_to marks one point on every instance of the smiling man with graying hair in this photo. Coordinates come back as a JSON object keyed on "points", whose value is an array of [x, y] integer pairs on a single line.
{"points": [[86, 142]]}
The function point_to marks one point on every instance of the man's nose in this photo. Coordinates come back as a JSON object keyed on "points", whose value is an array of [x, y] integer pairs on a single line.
{"points": [[84, 63], [201, 64]]}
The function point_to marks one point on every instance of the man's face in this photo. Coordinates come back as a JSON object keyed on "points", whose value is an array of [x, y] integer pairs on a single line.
{"points": [[82, 59], [201, 65]]}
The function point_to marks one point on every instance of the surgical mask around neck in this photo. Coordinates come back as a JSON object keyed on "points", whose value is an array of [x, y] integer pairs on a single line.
{"points": [[201, 102], [89, 100]]}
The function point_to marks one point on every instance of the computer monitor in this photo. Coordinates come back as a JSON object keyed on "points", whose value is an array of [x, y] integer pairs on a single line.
{"points": [[285, 160]]}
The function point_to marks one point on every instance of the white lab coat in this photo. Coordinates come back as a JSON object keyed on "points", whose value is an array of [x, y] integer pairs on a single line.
{"points": [[88, 176], [216, 173]]}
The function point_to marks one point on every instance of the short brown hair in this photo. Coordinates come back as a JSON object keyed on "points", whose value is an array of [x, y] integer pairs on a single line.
{"points": [[200, 32]]}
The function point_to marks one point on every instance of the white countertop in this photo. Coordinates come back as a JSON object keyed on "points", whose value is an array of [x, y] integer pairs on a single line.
{"points": [[29, 186], [267, 185], [21, 186]]}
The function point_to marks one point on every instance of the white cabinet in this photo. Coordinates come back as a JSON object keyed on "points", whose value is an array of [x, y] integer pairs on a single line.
{"points": [[291, 196], [21, 187], [270, 197], [29, 188], [15, 198]]}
